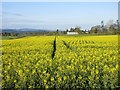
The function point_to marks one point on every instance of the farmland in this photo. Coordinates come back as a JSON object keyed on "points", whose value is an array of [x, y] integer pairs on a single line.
{"points": [[60, 62]]}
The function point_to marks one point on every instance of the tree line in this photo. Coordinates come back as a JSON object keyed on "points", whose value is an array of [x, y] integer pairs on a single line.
{"points": [[109, 28]]}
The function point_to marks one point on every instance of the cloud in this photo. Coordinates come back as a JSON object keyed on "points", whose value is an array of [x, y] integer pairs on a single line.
{"points": [[11, 13]]}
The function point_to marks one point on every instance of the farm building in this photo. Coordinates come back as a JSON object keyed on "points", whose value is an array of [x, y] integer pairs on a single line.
{"points": [[72, 33]]}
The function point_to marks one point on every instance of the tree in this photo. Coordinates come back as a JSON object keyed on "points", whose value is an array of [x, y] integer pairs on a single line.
{"points": [[66, 30], [94, 30], [71, 29], [102, 24], [77, 29], [113, 30], [57, 31]]}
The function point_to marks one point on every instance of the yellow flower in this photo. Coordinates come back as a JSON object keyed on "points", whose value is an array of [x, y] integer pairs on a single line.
{"points": [[96, 71], [80, 77], [65, 77], [44, 72], [59, 79], [45, 81], [46, 86], [48, 75], [52, 78], [15, 81]]}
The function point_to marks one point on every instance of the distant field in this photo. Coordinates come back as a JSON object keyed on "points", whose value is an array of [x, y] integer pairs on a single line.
{"points": [[60, 62], [11, 37]]}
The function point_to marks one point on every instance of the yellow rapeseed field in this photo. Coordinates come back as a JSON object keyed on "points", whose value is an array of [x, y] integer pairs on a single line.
{"points": [[77, 62]]}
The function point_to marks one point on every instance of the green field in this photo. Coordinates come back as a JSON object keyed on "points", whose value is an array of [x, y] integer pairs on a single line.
{"points": [[11, 37], [60, 62]]}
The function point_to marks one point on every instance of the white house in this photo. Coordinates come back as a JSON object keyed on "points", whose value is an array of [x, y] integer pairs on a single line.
{"points": [[72, 33]]}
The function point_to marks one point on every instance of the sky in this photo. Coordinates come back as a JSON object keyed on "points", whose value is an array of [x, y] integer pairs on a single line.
{"points": [[57, 15]]}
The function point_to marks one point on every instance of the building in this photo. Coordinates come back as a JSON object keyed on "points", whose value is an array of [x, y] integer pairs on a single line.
{"points": [[72, 33]]}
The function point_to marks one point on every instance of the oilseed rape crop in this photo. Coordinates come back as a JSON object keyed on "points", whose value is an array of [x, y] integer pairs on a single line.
{"points": [[60, 62]]}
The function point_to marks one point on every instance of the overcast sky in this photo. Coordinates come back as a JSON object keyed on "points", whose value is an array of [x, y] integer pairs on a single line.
{"points": [[59, 15]]}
